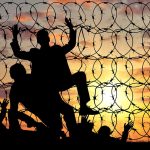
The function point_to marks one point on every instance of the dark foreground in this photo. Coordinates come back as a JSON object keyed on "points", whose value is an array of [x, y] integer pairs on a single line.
{"points": [[28, 138]]}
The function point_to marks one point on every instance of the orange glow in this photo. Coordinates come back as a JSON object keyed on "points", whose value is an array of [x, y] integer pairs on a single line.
{"points": [[24, 19], [118, 87]]}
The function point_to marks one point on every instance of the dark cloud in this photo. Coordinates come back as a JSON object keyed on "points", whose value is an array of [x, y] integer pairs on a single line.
{"points": [[3, 92], [135, 7], [26, 34], [132, 1], [145, 70]]}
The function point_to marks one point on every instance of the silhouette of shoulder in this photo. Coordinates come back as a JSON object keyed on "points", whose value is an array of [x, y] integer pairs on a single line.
{"points": [[58, 49], [21, 88], [34, 50], [56, 46]]}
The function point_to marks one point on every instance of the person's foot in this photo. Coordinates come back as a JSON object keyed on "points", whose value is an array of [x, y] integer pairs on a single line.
{"points": [[88, 111]]}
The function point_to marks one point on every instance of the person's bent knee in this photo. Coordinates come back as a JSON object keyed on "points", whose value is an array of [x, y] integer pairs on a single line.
{"points": [[81, 75], [67, 109]]}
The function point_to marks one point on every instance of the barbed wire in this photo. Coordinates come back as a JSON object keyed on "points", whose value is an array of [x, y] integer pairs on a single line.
{"points": [[112, 48]]}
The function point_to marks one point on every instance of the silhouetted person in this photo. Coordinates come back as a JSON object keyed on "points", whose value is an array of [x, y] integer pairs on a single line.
{"points": [[47, 110], [104, 134], [50, 67], [18, 93], [3, 109], [3, 112], [85, 131], [4, 132]]}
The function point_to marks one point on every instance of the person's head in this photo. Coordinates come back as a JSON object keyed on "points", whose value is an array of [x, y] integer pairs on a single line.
{"points": [[17, 71], [42, 37], [104, 131]]}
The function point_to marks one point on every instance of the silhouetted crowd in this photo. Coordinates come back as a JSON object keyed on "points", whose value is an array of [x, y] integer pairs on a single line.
{"points": [[39, 93], [84, 133]]}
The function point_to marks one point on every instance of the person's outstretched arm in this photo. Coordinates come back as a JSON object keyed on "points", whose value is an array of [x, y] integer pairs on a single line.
{"points": [[125, 133], [72, 41], [30, 121], [15, 46]]}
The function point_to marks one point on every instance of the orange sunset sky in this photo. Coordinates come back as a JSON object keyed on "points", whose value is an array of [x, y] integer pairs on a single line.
{"points": [[113, 43]]}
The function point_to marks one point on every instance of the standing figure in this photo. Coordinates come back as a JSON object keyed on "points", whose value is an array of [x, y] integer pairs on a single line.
{"points": [[50, 67]]}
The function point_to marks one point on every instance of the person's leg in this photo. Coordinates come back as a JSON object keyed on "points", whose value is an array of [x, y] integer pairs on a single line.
{"points": [[79, 79], [69, 118], [49, 113]]}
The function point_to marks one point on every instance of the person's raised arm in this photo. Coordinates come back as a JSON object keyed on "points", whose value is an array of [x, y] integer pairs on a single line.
{"points": [[72, 41], [127, 127], [15, 46]]}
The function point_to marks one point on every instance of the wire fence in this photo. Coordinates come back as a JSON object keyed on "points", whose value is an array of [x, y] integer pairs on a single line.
{"points": [[113, 49]]}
